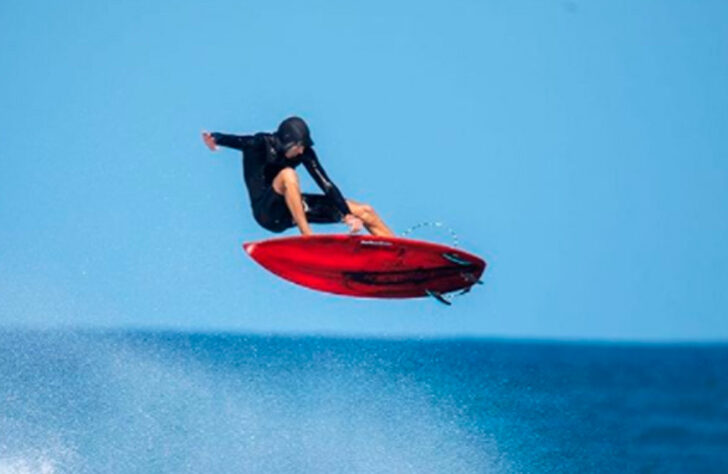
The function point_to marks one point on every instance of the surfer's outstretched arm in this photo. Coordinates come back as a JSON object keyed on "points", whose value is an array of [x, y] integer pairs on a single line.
{"points": [[237, 142]]}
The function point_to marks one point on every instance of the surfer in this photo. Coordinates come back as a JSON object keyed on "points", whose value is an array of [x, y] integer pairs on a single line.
{"points": [[269, 162]]}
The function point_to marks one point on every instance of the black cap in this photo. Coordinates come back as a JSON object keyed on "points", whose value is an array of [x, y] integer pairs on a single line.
{"points": [[292, 131]]}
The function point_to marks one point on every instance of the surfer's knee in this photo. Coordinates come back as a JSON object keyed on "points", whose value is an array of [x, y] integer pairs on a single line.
{"points": [[285, 179], [289, 176]]}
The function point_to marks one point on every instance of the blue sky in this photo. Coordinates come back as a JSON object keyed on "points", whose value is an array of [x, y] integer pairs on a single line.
{"points": [[578, 146]]}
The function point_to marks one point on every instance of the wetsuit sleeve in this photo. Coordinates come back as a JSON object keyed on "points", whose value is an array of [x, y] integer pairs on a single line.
{"points": [[311, 162], [238, 142]]}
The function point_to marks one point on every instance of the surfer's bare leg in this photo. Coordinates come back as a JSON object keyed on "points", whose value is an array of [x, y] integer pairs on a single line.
{"points": [[286, 184], [374, 224]]}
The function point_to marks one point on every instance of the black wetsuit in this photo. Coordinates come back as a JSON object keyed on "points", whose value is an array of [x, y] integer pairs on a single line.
{"points": [[262, 161]]}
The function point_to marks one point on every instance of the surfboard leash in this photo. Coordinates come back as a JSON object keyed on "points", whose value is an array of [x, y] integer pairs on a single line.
{"points": [[437, 224]]}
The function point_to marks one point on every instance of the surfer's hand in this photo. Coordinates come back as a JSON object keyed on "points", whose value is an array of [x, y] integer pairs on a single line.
{"points": [[209, 141], [355, 224]]}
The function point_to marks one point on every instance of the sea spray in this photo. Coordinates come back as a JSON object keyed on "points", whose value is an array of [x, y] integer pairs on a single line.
{"points": [[136, 402]]}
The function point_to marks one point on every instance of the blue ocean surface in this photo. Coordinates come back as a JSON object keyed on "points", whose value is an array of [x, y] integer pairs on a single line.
{"points": [[148, 402]]}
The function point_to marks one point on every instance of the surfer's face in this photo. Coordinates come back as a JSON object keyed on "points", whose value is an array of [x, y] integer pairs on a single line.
{"points": [[294, 151]]}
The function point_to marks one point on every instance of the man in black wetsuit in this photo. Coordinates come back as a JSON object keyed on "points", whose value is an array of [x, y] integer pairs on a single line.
{"points": [[269, 162]]}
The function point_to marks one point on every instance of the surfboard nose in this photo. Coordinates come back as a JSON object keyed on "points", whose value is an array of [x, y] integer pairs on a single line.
{"points": [[249, 247]]}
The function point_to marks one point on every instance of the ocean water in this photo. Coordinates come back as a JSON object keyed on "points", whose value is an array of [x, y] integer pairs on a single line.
{"points": [[144, 402]]}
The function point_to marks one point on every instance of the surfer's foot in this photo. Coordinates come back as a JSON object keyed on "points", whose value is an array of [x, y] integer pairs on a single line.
{"points": [[373, 223]]}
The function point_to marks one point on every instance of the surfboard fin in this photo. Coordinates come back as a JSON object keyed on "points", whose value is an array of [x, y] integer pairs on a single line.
{"points": [[438, 296], [450, 257]]}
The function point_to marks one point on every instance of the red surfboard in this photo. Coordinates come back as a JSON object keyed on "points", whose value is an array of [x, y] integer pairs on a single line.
{"points": [[369, 266]]}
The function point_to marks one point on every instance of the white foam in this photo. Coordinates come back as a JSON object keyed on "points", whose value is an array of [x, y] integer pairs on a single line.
{"points": [[30, 465]]}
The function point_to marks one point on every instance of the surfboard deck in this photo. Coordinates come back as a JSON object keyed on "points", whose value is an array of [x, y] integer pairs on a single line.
{"points": [[368, 266]]}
